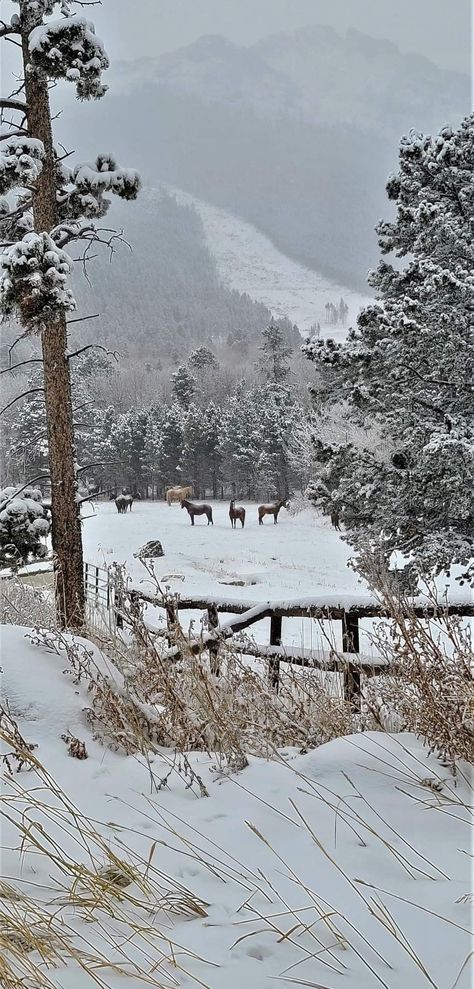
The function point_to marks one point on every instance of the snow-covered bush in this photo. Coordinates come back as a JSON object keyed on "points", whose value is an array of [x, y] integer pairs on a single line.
{"points": [[22, 525]]}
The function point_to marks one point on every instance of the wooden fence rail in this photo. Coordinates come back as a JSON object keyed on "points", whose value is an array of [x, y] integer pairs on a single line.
{"points": [[107, 589]]}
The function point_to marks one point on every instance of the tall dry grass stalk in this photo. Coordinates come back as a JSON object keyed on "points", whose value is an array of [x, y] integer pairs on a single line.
{"points": [[431, 689]]}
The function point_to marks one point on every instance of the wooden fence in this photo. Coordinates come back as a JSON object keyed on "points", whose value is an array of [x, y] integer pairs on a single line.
{"points": [[115, 605]]}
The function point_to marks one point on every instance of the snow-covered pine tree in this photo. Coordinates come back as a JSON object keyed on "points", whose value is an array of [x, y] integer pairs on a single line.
{"points": [[202, 359], [275, 354], [196, 449], [55, 205], [183, 386], [129, 445], [240, 442], [170, 447], [408, 369], [213, 454], [278, 415]]}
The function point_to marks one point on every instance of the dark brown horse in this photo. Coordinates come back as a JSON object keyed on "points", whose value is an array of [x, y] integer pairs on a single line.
{"points": [[236, 513], [124, 501], [193, 510], [273, 509]]}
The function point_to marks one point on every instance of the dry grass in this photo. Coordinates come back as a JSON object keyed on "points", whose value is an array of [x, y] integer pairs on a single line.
{"points": [[432, 688], [92, 882]]}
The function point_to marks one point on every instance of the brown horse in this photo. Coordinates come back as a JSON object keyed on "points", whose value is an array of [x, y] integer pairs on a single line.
{"points": [[236, 513], [123, 501], [193, 510], [271, 510]]}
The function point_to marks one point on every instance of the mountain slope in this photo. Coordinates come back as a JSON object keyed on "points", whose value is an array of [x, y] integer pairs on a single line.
{"points": [[166, 291]]}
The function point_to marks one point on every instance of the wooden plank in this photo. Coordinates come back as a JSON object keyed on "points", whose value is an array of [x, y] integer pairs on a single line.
{"points": [[310, 608]]}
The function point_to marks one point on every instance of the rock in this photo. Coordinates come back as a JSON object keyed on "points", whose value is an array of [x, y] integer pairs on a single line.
{"points": [[151, 550]]}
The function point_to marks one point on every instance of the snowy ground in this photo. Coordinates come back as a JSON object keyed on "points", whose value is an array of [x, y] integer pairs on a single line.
{"points": [[300, 557], [249, 262], [347, 866]]}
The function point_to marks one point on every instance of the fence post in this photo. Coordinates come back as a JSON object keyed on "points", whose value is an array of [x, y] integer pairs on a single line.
{"points": [[86, 579], [275, 640], [118, 600], [350, 643], [97, 582], [213, 623], [172, 623]]}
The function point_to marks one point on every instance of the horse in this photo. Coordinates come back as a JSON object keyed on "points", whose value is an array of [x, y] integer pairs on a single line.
{"points": [[177, 494], [123, 501], [193, 510], [271, 510], [236, 513], [335, 520]]}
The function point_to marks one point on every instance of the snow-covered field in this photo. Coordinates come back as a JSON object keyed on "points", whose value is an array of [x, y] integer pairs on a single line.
{"points": [[300, 557], [347, 866], [249, 262]]}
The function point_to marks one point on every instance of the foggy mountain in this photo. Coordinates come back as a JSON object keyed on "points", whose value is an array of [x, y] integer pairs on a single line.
{"points": [[315, 74], [296, 134]]}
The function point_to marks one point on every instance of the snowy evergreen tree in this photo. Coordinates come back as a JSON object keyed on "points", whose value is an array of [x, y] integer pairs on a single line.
{"points": [[275, 354], [203, 359], [194, 449], [183, 386], [408, 369], [241, 444], [277, 418], [170, 447], [56, 204], [201, 456], [213, 453], [130, 444], [22, 525]]}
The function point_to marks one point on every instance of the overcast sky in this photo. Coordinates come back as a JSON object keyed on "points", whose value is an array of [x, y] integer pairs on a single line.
{"points": [[438, 29]]}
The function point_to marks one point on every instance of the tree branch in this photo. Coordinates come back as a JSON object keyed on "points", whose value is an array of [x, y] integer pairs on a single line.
{"points": [[6, 29], [31, 391], [80, 319], [40, 477], [13, 105], [33, 360], [99, 463], [96, 346]]}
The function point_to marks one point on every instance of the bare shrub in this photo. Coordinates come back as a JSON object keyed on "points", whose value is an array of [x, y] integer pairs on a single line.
{"points": [[23, 604]]}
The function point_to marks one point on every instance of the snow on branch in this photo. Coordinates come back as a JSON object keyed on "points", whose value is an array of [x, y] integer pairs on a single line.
{"points": [[68, 48], [83, 188], [21, 162], [33, 281]]}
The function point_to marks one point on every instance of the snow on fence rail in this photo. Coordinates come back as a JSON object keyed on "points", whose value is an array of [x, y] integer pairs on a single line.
{"points": [[348, 609]]}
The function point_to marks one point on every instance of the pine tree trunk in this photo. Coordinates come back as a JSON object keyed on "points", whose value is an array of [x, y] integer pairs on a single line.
{"points": [[66, 526]]}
